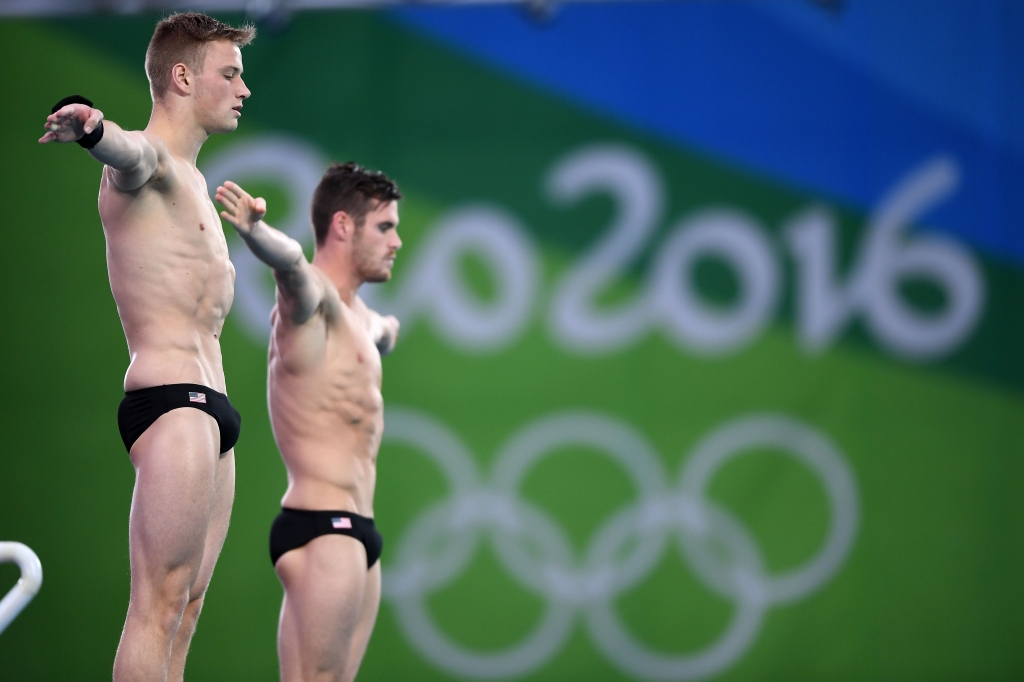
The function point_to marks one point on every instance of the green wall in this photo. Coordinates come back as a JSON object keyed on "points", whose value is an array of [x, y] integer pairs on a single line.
{"points": [[921, 444]]}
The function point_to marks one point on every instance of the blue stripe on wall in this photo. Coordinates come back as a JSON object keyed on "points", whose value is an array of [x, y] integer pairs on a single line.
{"points": [[772, 90]]}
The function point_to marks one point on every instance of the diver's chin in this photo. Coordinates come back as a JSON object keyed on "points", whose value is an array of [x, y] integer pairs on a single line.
{"points": [[378, 277], [225, 127]]}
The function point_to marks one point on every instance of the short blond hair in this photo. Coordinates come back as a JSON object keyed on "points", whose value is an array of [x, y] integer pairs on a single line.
{"points": [[184, 38]]}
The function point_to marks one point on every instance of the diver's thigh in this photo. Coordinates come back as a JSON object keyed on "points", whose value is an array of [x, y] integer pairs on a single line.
{"points": [[324, 582], [220, 517], [364, 627], [176, 476]]}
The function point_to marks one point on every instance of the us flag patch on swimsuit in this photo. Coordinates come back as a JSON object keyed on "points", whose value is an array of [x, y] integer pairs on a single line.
{"points": [[194, 397], [342, 522]]}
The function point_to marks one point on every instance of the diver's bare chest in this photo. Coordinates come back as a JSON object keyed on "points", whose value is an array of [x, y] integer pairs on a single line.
{"points": [[351, 356], [192, 212], [199, 227], [182, 220]]}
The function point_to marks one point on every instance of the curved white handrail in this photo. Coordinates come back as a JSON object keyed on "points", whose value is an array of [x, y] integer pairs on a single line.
{"points": [[27, 587]]}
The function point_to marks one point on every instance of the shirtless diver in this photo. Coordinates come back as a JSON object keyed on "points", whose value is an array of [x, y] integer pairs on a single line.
{"points": [[324, 394], [168, 265]]}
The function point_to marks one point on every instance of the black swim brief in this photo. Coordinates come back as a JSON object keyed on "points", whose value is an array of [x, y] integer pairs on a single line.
{"points": [[293, 528], [140, 408]]}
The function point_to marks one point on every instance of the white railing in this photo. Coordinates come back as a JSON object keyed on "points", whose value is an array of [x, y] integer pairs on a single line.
{"points": [[26, 588]]}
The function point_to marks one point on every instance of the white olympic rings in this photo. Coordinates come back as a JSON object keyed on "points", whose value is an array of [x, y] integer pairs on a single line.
{"points": [[535, 550]]}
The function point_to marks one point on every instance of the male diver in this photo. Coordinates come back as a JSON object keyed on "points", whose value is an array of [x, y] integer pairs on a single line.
{"points": [[168, 265], [324, 395]]}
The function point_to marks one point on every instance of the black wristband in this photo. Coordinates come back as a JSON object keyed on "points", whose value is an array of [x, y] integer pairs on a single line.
{"points": [[73, 99], [89, 140]]}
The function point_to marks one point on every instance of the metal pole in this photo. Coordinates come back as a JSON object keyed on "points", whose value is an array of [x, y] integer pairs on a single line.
{"points": [[27, 587]]}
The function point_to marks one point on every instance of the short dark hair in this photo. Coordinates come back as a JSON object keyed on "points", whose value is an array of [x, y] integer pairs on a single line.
{"points": [[350, 188], [183, 38]]}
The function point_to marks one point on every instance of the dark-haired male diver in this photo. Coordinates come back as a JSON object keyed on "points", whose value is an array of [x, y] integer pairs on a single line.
{"points": [[324, 383], [167, 260]]}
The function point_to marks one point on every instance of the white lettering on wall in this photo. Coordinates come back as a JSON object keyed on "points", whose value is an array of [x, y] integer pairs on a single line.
{"points": [[431, 286]]}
